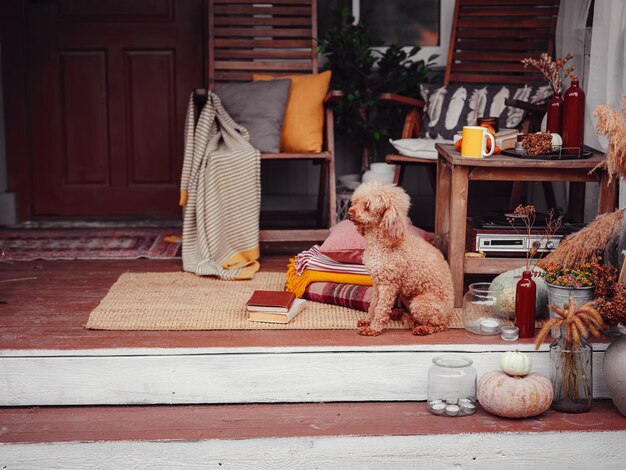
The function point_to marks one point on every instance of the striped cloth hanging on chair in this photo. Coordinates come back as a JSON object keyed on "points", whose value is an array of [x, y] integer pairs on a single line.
{"points": [[221, 194]]}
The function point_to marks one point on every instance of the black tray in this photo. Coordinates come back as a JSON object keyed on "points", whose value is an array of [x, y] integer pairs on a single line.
{"points": [[563, 154]]}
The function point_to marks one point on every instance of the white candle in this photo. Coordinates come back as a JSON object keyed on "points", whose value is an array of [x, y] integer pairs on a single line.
{"points": [[489, 325], [452, 410], [509, 333], [438, 408], [468, 408]]}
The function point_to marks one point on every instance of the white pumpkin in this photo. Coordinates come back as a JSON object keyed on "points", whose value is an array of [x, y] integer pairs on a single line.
{"points": [[557, 141], [516, 363]]}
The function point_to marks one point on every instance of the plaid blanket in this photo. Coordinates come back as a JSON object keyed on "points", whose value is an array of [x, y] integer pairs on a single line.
{"points": [[345, 295]]}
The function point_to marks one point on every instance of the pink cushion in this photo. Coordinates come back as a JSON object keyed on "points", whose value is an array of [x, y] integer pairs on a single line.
{"points": [[345, 244]]}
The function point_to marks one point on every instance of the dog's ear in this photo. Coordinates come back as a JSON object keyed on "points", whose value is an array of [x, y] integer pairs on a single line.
{"points": [[393, 226]]}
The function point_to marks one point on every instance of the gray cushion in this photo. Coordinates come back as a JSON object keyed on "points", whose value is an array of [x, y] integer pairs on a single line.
{"points": [[449, 108], [259, 107]]}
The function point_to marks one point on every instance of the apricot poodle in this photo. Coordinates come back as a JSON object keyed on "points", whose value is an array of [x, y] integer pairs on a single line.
{"points": [[400, 263]]}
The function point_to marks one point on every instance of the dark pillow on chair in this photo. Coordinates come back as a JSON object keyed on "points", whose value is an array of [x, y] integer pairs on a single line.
{"points": [[259, 107], [449, 108]]}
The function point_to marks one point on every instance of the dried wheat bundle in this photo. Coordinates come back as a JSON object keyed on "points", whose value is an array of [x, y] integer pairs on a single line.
{"points": [[613, 124], [550, 69], [579, 322], [583, 245]]}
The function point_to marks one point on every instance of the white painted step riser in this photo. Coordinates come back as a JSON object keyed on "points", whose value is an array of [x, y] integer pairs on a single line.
{"points": [[234, 378], [528, 451]]}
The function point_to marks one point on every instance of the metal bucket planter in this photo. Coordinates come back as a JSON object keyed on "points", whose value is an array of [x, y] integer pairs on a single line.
{"points": [[560, 296]]}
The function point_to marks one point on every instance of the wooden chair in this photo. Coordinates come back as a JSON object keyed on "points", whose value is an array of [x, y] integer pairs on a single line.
{"points": [[277, 37], [489, 39]]}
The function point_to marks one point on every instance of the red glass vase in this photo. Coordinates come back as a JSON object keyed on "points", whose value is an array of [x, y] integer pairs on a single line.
{"points": [[574, 116], [555, 115], [525, 295]]}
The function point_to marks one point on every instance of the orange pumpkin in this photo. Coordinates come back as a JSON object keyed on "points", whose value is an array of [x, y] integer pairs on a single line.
{"points": [[514, 397], [489, 127]]}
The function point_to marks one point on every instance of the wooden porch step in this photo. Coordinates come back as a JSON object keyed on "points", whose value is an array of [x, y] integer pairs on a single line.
{"points": [[322, 435], [357, 370]]}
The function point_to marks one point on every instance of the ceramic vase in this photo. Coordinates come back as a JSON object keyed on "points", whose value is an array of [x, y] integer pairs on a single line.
{"points": [[382, 172], [555, 115], [615, 371], [574, 116], [525, 294]]}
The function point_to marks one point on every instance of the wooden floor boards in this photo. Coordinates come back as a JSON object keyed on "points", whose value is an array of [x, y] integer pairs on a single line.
{"points": [[48, 302]]}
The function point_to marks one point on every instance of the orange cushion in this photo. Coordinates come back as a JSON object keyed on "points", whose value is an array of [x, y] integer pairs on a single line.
{"points": [[303, 125]]}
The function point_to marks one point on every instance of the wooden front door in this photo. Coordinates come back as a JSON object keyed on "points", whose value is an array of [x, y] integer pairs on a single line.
{"points": [[109, 85]]}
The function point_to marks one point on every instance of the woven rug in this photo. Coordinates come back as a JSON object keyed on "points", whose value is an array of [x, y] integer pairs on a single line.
{"points": [[68, 244], [183, 301]]}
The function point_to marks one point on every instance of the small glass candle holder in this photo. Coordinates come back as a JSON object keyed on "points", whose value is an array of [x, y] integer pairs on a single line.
{"points": [[509, 333], [452, 386], [481, 314]]}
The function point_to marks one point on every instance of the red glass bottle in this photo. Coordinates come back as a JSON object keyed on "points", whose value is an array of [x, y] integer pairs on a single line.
{"points": [[555, 115], [525, 295], [574, 116]]}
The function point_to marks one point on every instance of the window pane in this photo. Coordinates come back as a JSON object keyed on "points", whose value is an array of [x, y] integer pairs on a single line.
{"points": [[409, 22]]}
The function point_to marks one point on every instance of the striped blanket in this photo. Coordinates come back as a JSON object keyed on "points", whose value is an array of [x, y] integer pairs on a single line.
{"points": [[221, 193], [314, 259], [312, 266]]}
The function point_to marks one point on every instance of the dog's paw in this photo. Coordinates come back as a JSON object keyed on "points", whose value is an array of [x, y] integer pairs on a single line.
{"points": [[369, 331], [363, 322], [424, 330]]}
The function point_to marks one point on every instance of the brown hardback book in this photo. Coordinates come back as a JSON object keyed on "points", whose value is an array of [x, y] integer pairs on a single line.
{"points": [[270, 301], [278, 317]]}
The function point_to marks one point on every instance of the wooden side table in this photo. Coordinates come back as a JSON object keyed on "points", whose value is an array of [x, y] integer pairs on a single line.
{"points": [[453, 175]]}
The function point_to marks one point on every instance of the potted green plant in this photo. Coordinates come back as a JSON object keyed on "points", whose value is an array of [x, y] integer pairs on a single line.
{"points": [[363, 72]]}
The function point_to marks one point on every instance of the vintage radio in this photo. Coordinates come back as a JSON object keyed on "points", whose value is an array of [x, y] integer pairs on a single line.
{"points": [[495, 236]]}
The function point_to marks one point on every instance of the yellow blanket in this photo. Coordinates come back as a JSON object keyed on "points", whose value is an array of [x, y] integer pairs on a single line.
{"points": [[298, 283]]}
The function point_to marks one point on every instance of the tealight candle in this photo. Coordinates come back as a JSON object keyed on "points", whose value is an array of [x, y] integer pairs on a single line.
{"points": [[509, 333], [438, 408], [467, 408], [452, 410], [489, 325]]}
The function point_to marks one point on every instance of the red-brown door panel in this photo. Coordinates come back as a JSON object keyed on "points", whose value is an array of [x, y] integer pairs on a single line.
{"points": [[109, 86]]}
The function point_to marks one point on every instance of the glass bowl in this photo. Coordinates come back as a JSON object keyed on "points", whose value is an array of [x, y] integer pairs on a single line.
{"points": [[481, 313]]}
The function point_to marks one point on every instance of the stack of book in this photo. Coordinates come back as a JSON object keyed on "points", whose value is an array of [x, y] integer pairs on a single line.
{"points": [[505, 138], [272, 306]]}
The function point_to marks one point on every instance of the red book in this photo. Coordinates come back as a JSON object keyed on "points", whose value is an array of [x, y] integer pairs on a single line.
{"points": [[270, 301]]}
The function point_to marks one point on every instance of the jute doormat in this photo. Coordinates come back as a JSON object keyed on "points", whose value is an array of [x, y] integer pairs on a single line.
{"points": [[184, 301]]}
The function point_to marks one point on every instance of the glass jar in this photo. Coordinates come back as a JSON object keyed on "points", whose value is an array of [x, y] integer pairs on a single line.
{"points": [[481, 308], [452, 386], [571, 374]]}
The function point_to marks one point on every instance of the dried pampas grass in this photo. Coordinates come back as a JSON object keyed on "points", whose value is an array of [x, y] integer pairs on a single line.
{"points": [[583, 245], [613, 125]]}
